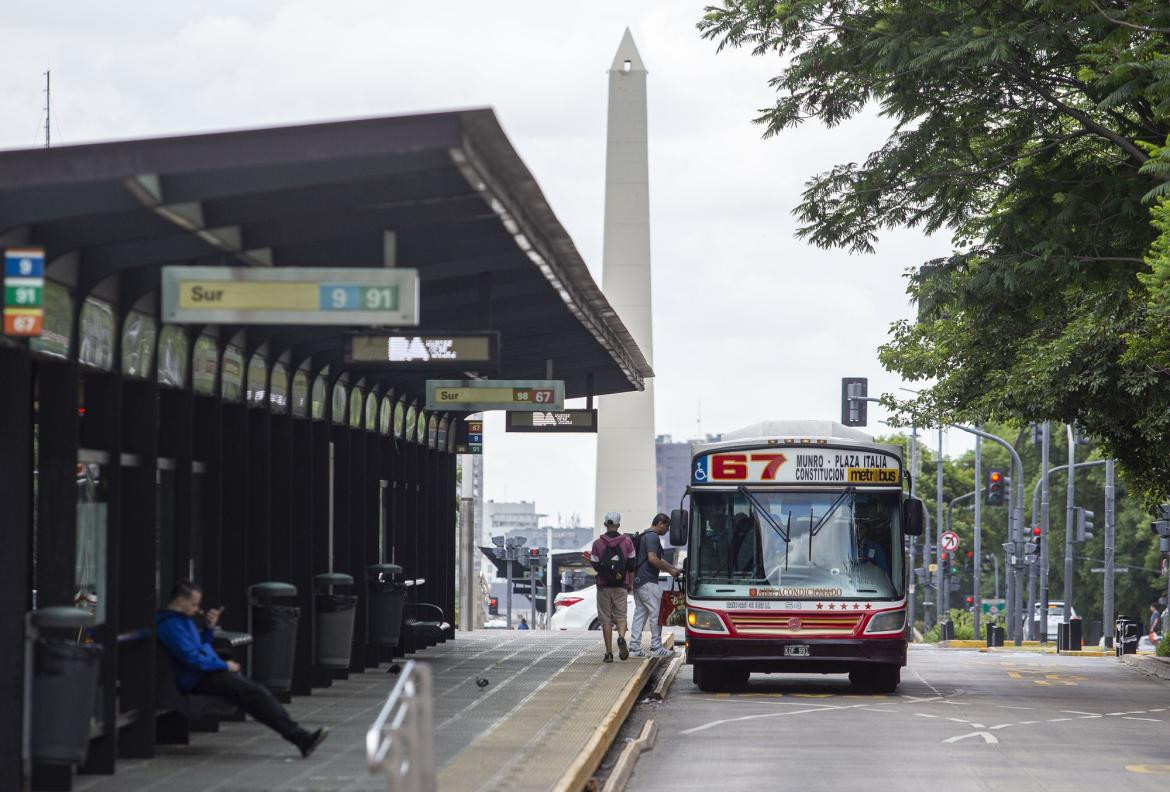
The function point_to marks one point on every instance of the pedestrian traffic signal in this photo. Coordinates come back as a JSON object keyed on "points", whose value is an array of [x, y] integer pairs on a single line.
{"points": [[995, 487], [1084, 524], [494, 606]]}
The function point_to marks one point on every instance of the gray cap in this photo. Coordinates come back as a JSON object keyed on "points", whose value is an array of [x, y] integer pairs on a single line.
{"points": [[613, 517]]}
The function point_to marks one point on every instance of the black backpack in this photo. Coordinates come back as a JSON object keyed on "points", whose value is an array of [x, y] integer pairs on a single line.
{"points": [[613, 566]]}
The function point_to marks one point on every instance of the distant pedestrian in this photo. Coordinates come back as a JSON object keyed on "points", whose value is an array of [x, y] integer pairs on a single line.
{"points": [[647, 591], [612, 557], [1155, 622], [523, 625]]}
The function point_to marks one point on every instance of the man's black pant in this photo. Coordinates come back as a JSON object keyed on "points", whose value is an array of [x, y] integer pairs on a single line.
{"points": [[254, 699]]}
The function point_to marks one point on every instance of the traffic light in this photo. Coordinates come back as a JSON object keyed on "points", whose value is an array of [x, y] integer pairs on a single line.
{"points": [[995, 487], [1037, 433], [1084, 524], [1032, 544], [494, 606], [853, 403], [1161, 529]]}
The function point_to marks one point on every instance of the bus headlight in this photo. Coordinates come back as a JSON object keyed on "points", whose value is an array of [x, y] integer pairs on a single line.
{"points": [[706, 621], [893, 621]]}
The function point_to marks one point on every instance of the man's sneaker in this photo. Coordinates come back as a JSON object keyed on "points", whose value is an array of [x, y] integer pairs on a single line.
{"points": [[639, 652], [662, 652], [623, 650], [312, 740], [608, 657]]}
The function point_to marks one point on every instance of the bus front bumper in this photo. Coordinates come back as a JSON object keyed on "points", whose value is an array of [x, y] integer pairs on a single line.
{"points": [[825, 656]]}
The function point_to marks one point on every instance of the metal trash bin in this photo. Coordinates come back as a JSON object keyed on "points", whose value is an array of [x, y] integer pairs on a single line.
{"points": [[387, 601], [64, 686], [274, 634], [1127, 634], [334, 620]]}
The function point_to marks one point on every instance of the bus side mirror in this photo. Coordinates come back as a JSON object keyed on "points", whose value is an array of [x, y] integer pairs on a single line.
{"points": [[680, 524], [913, 517]]}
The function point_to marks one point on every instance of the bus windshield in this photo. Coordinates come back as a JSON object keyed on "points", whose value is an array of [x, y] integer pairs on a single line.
{"points": [[816, 545]]}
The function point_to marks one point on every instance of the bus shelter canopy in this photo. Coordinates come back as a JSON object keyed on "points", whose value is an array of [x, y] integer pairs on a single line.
{"points": [[444, 193]]}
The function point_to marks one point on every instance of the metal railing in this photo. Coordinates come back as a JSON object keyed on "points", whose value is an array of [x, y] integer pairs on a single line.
{"points": [[401, 741]]}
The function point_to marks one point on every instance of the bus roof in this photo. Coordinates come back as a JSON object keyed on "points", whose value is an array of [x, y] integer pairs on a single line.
{"points": [[797, 432]]}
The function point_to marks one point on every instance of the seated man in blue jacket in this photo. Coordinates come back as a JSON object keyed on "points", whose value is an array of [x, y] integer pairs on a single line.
{"points": [[198, 669]]}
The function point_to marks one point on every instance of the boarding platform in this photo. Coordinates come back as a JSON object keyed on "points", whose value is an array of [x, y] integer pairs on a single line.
{"points": [[543, 720]]}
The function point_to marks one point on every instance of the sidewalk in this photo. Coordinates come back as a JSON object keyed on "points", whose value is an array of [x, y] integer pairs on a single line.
{"points": [[546, 715]]}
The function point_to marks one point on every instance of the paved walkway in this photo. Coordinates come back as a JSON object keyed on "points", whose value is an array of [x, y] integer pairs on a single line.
{"points": [[546, 695]]}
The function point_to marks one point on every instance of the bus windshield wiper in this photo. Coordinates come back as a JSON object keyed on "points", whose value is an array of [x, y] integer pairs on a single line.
{"points": [[821, 522], [759, 507]]}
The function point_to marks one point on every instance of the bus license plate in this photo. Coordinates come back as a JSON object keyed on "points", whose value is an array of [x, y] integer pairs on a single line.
{"points": [[796, 650]]}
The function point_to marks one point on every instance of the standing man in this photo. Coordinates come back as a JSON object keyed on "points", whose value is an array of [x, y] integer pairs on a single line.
{"points": [[1155, 624], [612, 556], [647, 591], [198, 669]]}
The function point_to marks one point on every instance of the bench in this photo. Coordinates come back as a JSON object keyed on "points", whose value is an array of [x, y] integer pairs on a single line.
{"points": [[423, 626], [177, 714]]}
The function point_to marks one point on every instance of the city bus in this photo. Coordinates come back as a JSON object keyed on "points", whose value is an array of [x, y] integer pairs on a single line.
{"points": [[796, 556]]}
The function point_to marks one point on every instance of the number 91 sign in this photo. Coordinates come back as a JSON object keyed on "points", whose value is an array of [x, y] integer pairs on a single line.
{"points": [[24, 286]]}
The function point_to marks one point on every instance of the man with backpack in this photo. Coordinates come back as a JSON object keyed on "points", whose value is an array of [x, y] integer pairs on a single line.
{"points": [[647, 591], [612, 556]]}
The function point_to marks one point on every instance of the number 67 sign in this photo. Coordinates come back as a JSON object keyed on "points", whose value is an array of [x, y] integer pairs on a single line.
{"points": [[480, 395]]}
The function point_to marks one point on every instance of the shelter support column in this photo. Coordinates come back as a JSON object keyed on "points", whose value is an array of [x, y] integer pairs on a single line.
{"points": [[16, 487]]}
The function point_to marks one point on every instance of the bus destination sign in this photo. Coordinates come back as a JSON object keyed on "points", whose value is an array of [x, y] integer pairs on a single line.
{"points": [[553, 421], [480, 395], [290, 295], [405, 350], [797, 465]]}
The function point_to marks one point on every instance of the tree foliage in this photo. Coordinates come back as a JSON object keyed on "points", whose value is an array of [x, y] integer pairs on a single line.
{"points": [[1035, 133]]}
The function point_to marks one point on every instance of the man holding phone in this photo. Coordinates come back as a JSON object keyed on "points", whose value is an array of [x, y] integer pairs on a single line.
{"points": [[198, 669]]}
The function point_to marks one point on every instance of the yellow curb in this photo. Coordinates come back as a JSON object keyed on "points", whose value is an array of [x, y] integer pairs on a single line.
{"points": [[586, 763]]}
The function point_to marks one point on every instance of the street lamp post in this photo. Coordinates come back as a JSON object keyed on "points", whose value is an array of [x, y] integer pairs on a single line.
{"points": [[1015, 522]]}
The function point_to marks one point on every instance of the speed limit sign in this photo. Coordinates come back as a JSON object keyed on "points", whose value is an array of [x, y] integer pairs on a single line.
{"points": [[949, 541]]}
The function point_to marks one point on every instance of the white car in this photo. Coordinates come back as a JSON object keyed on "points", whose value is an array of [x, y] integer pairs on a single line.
{"points": [[1055, 616], [577, 610]]}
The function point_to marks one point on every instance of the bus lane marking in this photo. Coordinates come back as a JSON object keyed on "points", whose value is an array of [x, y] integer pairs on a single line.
{"points": [[988, 737], [723, 721]]}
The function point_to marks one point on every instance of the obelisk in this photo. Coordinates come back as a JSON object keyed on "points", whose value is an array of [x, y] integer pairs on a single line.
{"points": [[626, 479]]}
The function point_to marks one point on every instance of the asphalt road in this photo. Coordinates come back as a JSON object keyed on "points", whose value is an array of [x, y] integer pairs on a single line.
{"points": [[961, 720]]}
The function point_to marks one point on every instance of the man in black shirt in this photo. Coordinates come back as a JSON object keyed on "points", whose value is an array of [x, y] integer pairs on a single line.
{"points": [[647, 591]]}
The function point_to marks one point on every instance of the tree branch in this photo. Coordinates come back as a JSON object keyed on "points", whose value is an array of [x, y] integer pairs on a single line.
{"points": [[1123, 23]]}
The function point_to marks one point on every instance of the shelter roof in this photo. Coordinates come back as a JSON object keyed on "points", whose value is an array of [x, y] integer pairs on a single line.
{"points": [[445, 193]]}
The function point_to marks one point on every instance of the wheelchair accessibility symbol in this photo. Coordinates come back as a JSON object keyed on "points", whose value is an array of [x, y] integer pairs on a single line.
{"points": [[701, 469]]}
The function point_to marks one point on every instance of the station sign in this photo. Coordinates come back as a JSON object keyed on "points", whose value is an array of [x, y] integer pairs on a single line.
{"points": [[290, 295], [478, 351], [797, 465], [470, 439], [24, 291], [481, 395], [552, 421]]}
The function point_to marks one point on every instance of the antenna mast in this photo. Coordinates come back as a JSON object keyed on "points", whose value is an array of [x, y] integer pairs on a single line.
{"points": [[48, 105]]}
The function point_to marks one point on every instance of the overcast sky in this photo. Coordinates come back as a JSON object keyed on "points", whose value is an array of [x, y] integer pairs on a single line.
{"points": [[749, 322]]}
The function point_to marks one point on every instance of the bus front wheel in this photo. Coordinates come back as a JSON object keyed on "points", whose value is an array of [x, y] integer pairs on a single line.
{"points": [[711, 680], [877, 679]]}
